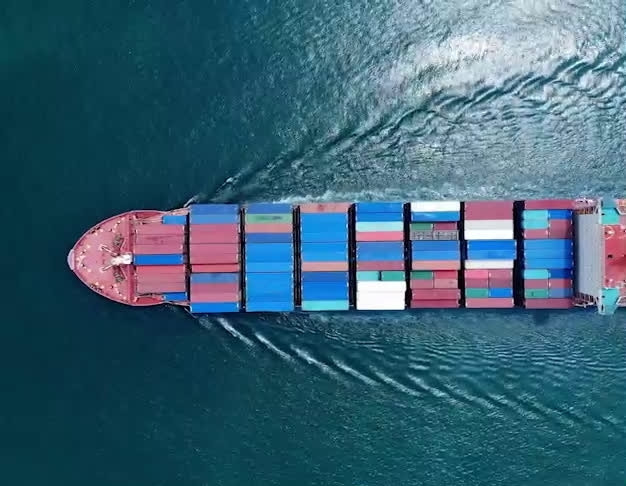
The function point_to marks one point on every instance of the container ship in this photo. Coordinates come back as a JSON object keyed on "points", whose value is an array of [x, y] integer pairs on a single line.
{"points": [[375, 256]]}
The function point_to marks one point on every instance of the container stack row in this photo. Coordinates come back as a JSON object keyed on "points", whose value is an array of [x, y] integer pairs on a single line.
{"points": [[215, 257], [435, 254], [325, 282], [380, 259], [491, 252], [269, 257], [548, 254], [159, 258]]}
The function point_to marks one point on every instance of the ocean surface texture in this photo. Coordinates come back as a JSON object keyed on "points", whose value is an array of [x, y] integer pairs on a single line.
{"points": [[109, 106]]}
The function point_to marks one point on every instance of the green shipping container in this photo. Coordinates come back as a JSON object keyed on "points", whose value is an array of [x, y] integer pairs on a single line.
{"points": [[367, 275], [392, 276], [422, 275], [325, 305], [536, 274], [421, 226], [536, 214], [537, 293], [269, 218], [477, 293]]}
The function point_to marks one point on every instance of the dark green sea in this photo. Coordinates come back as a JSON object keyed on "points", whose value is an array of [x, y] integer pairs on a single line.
{"points": [[110, 106]]}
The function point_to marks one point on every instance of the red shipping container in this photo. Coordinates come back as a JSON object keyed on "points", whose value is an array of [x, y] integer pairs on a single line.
{"points": [[501, 283], [434, 304], [489, 303], [560, 283], [216, 288], [560, 234], [549, 204], [379, 265], [269, 228], [213, 228], [435, 265], [548, 304], [162, 277], [435, 294], [379, 236], [214, 248], [501, 273], [214, 297], [476, 283], [481, 210], [226, 236], [536, 284], [445, 226], [176, 248], [159, 239], [160, 229], [446, 283], [535, 234], [160, 287], [327, 267], [218, 258], [225, 267], [325, 207], [422, 284], [471, 273], [446, 274], [160, 269], [560, 224]]}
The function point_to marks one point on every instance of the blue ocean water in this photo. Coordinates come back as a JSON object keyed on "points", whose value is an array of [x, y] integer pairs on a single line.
{"points": [[113, 106]]}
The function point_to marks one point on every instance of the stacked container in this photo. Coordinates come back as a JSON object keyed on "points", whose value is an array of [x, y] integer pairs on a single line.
{"points": [[324, 256], [380, 262], [435, 254], [269, 257], [159, 259], [215, 256], [491, 253], [548, 254]]}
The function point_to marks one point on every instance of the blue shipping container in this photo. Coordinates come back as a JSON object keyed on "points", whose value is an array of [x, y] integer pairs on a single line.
{"points": [[441, 216], [263, 306], [561, 273], [214, 208], [379, 246], [268, 238], [548, 263], [174, 219], [533, 254], [491, 255], [269, 267], [436, 245], [560, 213], [500, 293], [214, 277], [268, 257], [324, 237], [548, 244], [175, 296], [214, 218], [276, 278], [213, 307], [324, 277], [382, 256], [324, 256], [268, 208], [323, 247], [325, 294], [256, 294], [379, 207], [509, 245], [436, 255], [173, 259], [560, 293], [323, 219], [372, 217]]}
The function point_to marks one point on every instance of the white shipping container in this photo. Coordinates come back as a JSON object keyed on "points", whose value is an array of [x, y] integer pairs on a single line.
{"points": [[380, 303], [488, 264], [368, 286], [492, 234], [489, 224], [434, 206]]}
